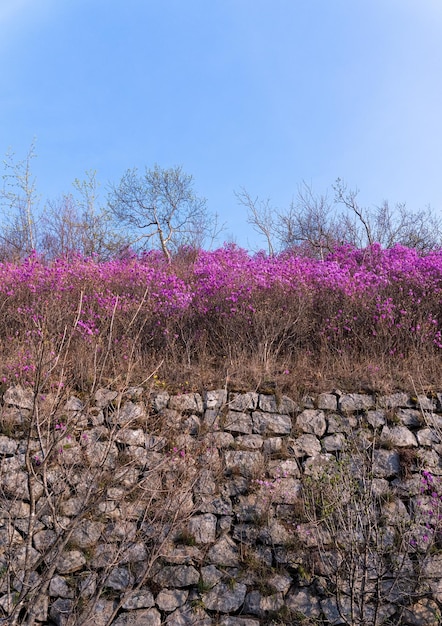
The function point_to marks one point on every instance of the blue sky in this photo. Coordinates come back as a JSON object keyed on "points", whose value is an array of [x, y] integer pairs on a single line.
{"points": [[260, 94]]}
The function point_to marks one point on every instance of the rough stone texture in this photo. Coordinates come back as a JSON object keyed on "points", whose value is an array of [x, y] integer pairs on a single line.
{"points": [[312, 421], [398, 437], [243, 401], [243, 462], [236, 466], [356, 402], [187, 402], [203, 528], [225, 599], [179, 576], [237, 421], [170, 599], [149, 617], [141, 599], [19, 397], [215, 399], [305, 445], [327, 401], [271, 423]]}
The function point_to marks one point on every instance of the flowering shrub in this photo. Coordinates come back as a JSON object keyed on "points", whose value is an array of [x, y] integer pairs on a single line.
{"points": [[226, 304]]}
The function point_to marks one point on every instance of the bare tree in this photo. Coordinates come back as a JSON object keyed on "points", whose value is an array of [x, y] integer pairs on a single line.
{"points": [[162, 204], [309, 222], [18, 200], [316, 224], [387, 226], [261, 215], [78, 223]]}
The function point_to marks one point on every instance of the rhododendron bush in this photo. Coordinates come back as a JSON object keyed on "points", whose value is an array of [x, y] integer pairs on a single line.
{"points": [[218, 308]]}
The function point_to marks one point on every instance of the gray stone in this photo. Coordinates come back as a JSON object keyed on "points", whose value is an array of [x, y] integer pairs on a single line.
{"points": [[191, 425], [224, 598], [15, 509], [215, 399], [432, 566], [271, 604], [411, 418], [425, 403], [103, 397], [356, 402], [275, 534], [58, 588], [102, 611], [87, 533], [249, 442], [71, 507], [272, 445], [212, 421], [304, 602], [395, 400], [210, 575], [70, 562], [281, 582], [183, 555], [312, 421], [189, 616], [224, 553], [425, 612], [143, 617], [224, 523], [284, 468], [271, 423], [170, 599], [268, 403], [132, 437], [386, 463], [252, 602], [333, 443], [19, 397], [140, 599], [62, 612], [73, 405], [100, 453], [376, 419], [15, 483], [87, 584], [252, 506], [239, 422], [7, 445], [427, 437], [160, 401], [305, 445], [13, 416], [243, 401], [327, 401], [203, 528], [246, 463], [129, 413], [398, 437], [317, 465], [287, 406], [177, 576], [237, 621], [44, 539], [187, 402], [119, 579], [133, 553]]}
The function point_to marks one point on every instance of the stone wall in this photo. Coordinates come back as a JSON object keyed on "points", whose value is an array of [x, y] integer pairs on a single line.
{"points": [[226, 508]]}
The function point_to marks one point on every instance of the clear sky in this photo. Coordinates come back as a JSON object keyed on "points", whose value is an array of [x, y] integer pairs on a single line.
{"points": [[260, 94]]}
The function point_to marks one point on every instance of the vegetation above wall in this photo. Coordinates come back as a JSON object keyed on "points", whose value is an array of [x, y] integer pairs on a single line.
{"points": [[366, 318]]}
